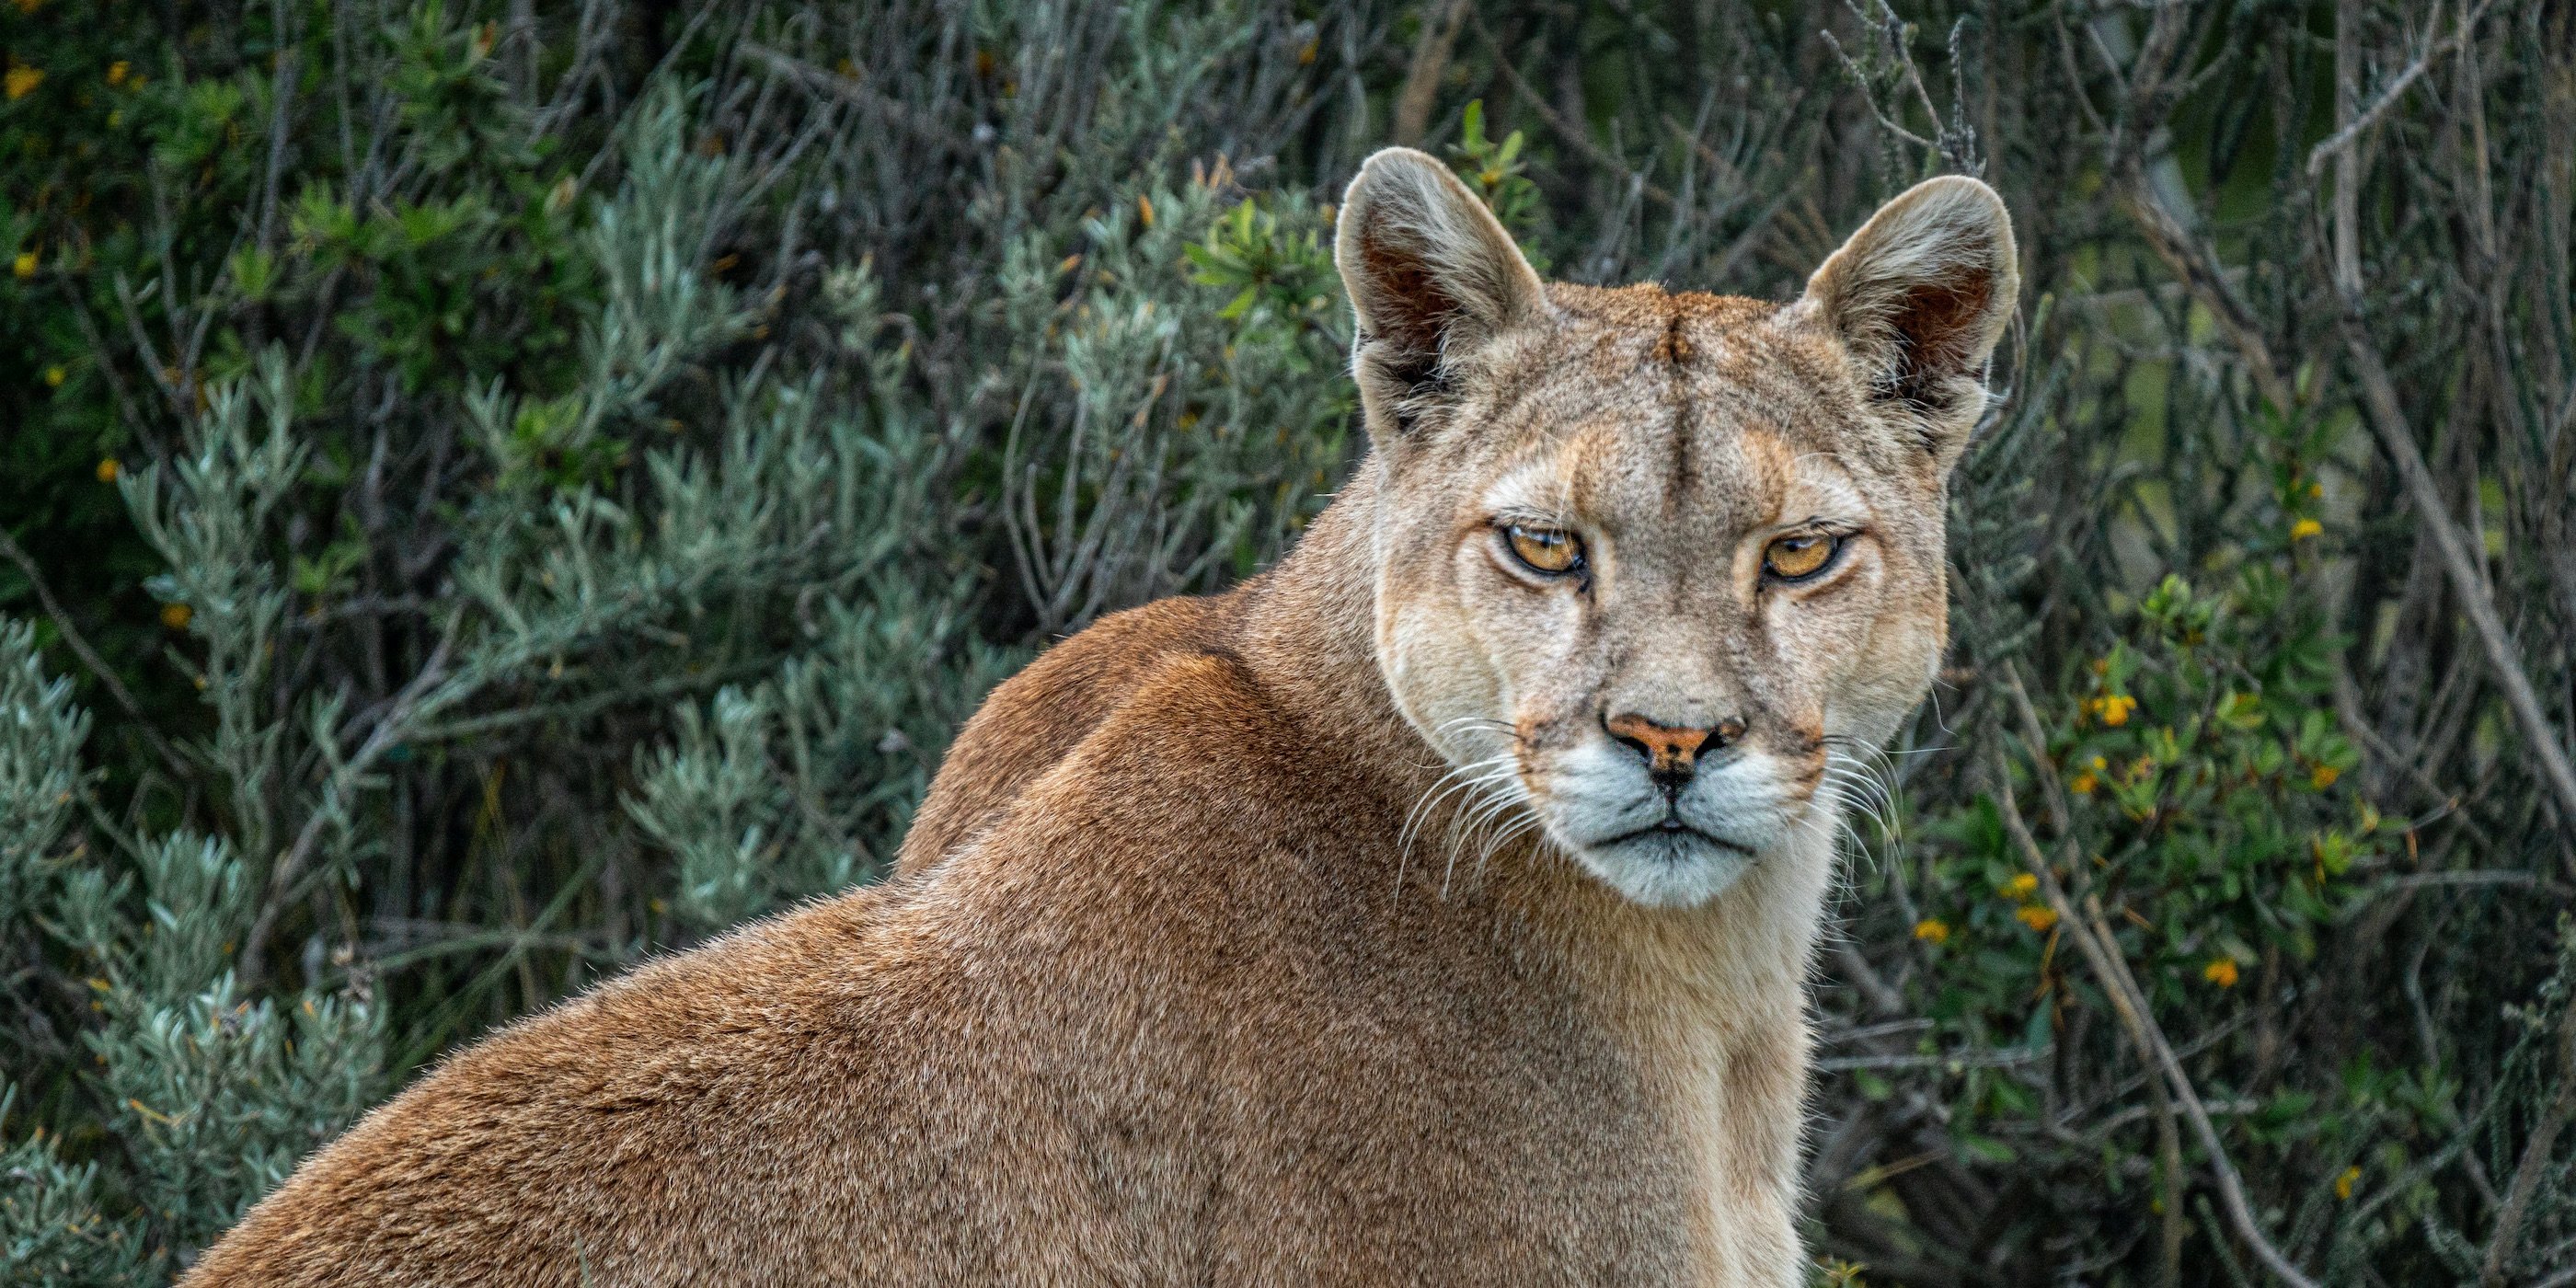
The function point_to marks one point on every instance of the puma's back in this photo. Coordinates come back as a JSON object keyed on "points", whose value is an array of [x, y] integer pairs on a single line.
{"points": [[1435, 907], [1048, 1061]]}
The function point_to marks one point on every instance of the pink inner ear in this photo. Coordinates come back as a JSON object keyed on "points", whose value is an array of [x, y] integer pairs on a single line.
{"points": [[1936, 326], [1407, 307], [1939, 323]]}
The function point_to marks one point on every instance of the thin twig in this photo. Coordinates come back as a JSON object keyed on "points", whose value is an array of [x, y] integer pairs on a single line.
{"points": [[89, 657], [2379, 403], [913, 121], [1574, 133], [389, 729], [2201, 275], [2368, 116], [2528, 1173]]}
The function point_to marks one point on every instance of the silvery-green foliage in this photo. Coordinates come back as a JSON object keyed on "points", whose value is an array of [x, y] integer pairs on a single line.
{"points": [[714, 801], [801, 784], [52, 1226], [212, 1095], [209, 516], [41, 733], [54, 1230], [659, 312], [1163, 436]]}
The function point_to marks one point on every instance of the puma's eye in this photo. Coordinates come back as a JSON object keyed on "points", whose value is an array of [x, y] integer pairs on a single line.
{"points": [[1798, 558], [1545, 550]]}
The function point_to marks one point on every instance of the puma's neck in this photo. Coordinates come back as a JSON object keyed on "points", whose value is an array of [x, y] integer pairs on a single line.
{"points": [[1307, 630], [1710, 999]]}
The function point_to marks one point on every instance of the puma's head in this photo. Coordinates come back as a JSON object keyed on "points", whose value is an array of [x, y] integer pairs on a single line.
{"points": [[1646, 562]]}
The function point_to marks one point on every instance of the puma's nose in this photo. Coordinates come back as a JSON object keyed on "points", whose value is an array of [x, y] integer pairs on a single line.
{"points": [[1670, 750]]}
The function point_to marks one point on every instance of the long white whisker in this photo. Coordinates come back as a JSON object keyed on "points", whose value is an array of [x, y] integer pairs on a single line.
{"points": [[1878, 789], [1460, 778], [1867, 788], [1511, 831], [1495, 807], [1480, 803]]}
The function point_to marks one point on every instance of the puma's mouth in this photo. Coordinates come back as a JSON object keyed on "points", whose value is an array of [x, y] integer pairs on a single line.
{"points": [[1680, 867], [1673, 828], [1664, 844]]}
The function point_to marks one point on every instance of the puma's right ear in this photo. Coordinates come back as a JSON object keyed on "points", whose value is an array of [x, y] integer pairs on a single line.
{"points": [[1918, 297], [1431, 274]]}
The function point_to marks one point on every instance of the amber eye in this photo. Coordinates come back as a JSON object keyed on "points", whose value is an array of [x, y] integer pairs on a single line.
{"points": [[1545, 550], [1801, 557]]}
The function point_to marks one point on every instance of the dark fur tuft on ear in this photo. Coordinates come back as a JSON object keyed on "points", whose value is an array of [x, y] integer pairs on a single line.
{"points": [[1918, 297], [1431, 274]]}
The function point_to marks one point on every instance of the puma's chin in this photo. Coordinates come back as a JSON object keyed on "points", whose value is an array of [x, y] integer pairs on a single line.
{"points": [[1666, 869]]}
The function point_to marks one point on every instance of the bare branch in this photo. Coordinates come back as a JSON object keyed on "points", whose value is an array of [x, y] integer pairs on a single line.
{"points": [[89, 658], [2380, 408], [2396, 88], [2527, 1174], [1422, 79], [922, 126]]}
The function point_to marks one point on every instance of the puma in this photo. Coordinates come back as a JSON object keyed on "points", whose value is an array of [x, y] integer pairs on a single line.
{"points": [[1435, 907]]}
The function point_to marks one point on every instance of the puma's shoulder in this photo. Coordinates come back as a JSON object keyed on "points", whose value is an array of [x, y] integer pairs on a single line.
{"points": [[936, 1058], [1034, 719]]}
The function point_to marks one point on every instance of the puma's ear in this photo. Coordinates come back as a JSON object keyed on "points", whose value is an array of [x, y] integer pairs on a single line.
{"points": [[1431, 275], [1918, 297]]}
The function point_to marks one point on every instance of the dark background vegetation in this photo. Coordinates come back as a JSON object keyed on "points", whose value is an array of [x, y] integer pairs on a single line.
{"points": [[495, 490]]}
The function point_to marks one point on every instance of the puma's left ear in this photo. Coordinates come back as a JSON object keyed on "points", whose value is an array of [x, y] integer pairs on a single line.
{"points": [[1432, 275], [1918, 298]]}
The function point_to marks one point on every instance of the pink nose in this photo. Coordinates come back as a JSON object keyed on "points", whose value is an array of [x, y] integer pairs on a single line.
{"points": [[1670, 749]]}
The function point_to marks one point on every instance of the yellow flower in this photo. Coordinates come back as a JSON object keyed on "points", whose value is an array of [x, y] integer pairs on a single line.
{"points": [[2022, 886], [2306, 528], [1145, 209], [1932, 930], [54, 377], [116, 72], [25, 264], [108, 470], [2037, 916], [22, 81], [2323, 776], [177, 616], [2343, 1183], [2220, 971], [2115, 709], [2083, 784]]}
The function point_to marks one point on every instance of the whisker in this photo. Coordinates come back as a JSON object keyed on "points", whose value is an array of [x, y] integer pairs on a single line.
{"points": [[1458, 778], [1473, 815]]}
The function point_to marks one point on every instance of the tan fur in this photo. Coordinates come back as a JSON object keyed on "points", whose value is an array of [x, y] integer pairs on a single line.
{"points": [[1201, 964]]}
